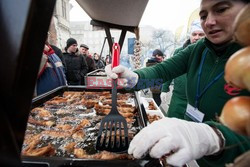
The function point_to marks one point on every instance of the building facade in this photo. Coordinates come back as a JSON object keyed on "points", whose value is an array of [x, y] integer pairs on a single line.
{"points": [[60, 24]]}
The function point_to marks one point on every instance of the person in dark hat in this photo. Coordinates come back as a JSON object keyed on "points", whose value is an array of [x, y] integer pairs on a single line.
{"points": [[157, 57], [76, 65], [84, 50]]}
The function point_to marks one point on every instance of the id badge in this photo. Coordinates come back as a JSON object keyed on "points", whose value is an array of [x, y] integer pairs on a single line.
{"points": [[194, 113]]}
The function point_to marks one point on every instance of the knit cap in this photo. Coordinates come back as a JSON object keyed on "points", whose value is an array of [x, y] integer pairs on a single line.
{"points": [[196, 26], [71, 41], [157, 52]]}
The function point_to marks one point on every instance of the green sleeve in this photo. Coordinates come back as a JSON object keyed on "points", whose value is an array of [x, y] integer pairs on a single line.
{"points": [[165, 86], [165, 71], [235, 145]]}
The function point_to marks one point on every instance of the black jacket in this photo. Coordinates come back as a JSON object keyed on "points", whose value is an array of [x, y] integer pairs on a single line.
{"points": [[99, 64], [90, 63], [151, 62], [76, 68]]}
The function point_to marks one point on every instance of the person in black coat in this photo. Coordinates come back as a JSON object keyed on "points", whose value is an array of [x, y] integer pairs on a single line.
{"points": [[98, 61], [76, 65], [157, 57], [84, 50]]}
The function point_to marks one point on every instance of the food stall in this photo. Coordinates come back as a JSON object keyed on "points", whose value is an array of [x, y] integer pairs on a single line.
{"points": [[23, 33]]}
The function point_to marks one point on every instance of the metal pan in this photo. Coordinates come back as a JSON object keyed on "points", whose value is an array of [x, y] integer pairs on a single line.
{"points": [[65, 161]]}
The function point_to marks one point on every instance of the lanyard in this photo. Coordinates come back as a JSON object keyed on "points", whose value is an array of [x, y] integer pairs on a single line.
{"points": [[198, 93]]}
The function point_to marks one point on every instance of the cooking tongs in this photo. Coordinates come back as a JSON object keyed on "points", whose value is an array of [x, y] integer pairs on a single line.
{"points": [[113, 132]]}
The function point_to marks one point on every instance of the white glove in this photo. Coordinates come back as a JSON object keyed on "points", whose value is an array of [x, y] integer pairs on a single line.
{"points": [[185, 141], [127, 77], [164, 97]]}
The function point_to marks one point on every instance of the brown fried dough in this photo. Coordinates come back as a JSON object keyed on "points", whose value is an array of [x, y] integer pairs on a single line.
{"points": [[127, 115], [56, 101], [41, 123], [125, 96], [79, 135], [81, 125], [32, 140], [41, 112], [152, 118], [126, 110], [64, 127], [151, 106], [56, 134], [46, 150], [80, 153], [70, 147], [72, 93], [104, 155]]}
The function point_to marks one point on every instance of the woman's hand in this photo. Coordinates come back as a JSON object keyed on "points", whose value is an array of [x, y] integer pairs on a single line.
{"points": [[179, 140], [127, 78]]}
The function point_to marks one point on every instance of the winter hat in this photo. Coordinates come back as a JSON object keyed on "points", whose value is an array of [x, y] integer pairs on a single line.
{"points": [[71, 41], [157, 52], [196, 26], [84, 46]]}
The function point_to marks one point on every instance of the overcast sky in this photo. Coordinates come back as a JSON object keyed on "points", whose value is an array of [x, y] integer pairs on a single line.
{"points": [[166, 14]]}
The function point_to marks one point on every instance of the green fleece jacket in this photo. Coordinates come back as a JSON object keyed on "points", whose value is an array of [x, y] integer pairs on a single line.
{"points": [[178, 103], [212, 101]]}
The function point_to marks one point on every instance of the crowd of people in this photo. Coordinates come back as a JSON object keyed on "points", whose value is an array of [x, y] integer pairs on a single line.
{"points": [[67, 67]]}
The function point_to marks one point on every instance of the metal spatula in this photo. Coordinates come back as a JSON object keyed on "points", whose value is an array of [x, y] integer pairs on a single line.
{"points": [[113, 132]]}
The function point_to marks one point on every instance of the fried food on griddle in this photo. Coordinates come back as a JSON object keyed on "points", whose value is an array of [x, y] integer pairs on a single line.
{"points": [[41, 112], [32, 143], [89, 103], [127, 114], [125, 96], [82, 124], [63, 127], [42, 151], [66, 125], [70, 147], [40, 122], [152, 118], [69, 94], [126, 109], [62, 111], [57, 134], [152, 106], [31, 139], [109, 102], [80, 153], [101, 98], [103, 155], [78, 135]]}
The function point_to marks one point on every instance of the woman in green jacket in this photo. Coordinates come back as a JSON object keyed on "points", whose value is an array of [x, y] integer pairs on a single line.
{"points": [[178, 103], [180, 140]]}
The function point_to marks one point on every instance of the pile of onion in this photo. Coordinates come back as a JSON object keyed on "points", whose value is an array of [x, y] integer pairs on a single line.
{"points": [[242, 26], [237, 69], [236, 115]]}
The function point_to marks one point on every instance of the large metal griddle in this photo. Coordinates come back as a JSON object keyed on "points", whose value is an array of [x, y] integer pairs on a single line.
{"points": [[62, 161]]}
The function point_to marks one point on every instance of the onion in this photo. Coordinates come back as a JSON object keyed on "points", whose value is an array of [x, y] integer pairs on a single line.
{"points": [[236, 115], [237, 69], [242, 26]]}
